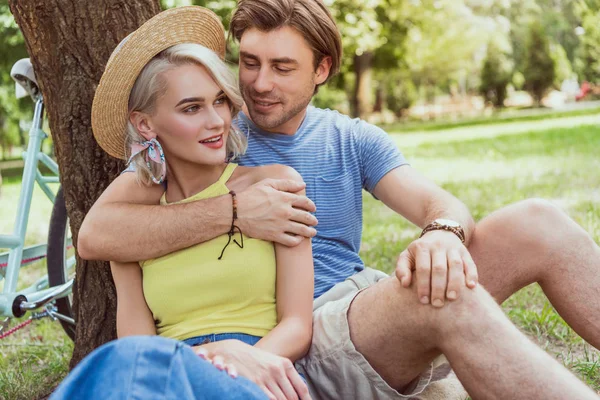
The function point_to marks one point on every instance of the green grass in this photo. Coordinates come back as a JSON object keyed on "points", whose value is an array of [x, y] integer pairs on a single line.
{"points": [[500, 117], [487, 166], [34, 359]]}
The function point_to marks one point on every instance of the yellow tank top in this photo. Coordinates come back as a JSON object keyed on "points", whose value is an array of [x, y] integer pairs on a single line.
{"points": [[192, 293]]}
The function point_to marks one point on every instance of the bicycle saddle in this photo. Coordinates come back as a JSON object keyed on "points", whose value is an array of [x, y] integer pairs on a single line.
{"points": [[22, 73]]}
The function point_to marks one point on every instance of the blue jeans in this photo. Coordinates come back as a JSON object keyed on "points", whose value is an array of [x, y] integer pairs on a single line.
{"points": [[215, 337], [151, 367]]}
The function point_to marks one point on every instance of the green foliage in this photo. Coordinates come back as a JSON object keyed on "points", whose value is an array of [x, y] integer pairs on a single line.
{"points": [[495, 74], [588, 54], [540, 70], [401, 92], [12, 48], [331, 97], [563, 67]]}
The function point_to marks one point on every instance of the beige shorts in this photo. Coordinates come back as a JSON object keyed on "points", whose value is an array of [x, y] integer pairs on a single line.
{"points": [[335, 370]]}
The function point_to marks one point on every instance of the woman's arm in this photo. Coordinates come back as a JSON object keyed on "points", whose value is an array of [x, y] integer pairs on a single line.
{"points": [[292, 336], [133, 315]]}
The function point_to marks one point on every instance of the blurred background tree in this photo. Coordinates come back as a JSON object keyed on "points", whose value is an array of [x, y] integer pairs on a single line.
{"points": [[539, 70], [496, 74]]}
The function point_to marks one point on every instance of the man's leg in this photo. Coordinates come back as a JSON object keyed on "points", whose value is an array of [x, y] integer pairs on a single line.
{"points": [[400, 337], [534, 241]]}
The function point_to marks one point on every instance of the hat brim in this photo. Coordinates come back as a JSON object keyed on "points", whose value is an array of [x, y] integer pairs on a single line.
{"points": [[191, 24]]}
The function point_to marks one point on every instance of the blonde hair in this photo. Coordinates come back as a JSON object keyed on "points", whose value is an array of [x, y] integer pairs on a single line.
{"points": [[310, 18], [150, 85]]}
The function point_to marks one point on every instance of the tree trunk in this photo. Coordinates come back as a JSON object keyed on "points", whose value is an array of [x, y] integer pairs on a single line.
{"points": [[361, 102], [69, 42]]}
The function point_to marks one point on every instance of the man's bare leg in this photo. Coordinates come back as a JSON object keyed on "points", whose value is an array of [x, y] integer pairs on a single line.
{"points": [[399, 337], [534, 241]]}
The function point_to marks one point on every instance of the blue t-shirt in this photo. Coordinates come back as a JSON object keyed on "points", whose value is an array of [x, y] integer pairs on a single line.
{"points": [[337, 157]]}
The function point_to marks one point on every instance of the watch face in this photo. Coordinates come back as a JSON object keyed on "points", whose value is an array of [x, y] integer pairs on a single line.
{"points": [[448, 222]]}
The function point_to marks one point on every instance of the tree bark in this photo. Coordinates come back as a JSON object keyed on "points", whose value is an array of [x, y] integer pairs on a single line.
{"points": [[69, 42], [361, 102]]}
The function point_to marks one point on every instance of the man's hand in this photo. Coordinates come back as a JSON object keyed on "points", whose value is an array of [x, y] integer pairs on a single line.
{"points": [[275, 375], [442, 264], [272, 210]]}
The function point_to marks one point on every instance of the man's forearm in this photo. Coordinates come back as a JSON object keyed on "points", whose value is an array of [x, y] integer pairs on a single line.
{"points": [[449, 207], [132, 232]]}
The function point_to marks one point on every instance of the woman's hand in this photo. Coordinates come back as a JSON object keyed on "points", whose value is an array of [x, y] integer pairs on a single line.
{"points": [[275, 375], [217, 361]]}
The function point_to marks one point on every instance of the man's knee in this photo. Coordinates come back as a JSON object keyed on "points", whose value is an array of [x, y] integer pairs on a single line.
{"points": [[398, 305], [474, 307]]}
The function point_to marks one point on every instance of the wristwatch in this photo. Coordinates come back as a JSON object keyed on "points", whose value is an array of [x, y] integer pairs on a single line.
{"points": [[446, 225]]}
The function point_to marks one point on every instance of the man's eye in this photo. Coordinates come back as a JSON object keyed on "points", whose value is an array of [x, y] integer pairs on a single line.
{"points": [[283, 70], [250, 65]]}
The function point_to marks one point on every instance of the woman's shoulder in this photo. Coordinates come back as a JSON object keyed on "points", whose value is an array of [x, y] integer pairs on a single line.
{"points": [[271, 171]]}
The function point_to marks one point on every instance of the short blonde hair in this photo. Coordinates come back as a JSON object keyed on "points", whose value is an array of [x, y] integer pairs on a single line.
{"points": [[149, 86]]}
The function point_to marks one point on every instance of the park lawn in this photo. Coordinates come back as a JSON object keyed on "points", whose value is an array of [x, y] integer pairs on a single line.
{"points": [[486, 166]]}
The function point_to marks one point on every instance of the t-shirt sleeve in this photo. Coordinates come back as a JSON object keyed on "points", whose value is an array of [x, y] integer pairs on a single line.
{"points": [[378, 153]]}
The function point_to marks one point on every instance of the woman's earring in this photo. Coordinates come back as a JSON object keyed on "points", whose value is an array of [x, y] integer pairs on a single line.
{"points": [[155, 154]]}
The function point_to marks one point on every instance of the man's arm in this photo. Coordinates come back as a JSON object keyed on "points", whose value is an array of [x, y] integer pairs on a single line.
{"points": [[127, 223], [442, 263], [421, 201]]}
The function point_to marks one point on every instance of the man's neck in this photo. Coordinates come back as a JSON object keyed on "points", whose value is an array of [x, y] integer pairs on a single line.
{"points": [[289, 127]]}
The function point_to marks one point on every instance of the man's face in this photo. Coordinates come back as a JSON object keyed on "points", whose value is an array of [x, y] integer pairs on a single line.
{"points": [[278, 78]]}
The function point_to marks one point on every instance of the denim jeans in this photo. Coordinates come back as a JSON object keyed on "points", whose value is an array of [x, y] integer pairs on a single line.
{"points": [[215, 337], [151, 367]]}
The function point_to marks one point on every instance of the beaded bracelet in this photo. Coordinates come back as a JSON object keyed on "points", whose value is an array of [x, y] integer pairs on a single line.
{"points": [[233, 226]]}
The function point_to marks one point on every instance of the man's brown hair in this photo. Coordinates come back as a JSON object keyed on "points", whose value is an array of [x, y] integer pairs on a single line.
{"points": [[309, 17]]}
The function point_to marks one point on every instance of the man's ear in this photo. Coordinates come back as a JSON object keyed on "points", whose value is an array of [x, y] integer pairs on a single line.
{"points": [[323, 70], [141, 122]]}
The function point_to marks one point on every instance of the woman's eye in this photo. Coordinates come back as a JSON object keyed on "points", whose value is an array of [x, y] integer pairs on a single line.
{"points": [[221, 100], [191, 109]]}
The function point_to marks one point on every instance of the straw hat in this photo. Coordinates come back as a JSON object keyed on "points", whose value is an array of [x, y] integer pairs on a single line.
{"points": [[110, 114]]}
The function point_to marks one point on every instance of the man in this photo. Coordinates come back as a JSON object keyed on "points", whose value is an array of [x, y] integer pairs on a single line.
{"points": [[374, 336]]}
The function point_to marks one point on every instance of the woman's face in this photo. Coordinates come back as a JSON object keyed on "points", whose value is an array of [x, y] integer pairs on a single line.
{"points": [[192, 118]]}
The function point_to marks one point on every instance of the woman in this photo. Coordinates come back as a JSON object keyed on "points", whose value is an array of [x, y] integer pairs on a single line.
{"points": [[168, 99]]}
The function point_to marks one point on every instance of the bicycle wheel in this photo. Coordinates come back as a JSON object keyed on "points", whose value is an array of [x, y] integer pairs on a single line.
{"points": [[61, 258]]}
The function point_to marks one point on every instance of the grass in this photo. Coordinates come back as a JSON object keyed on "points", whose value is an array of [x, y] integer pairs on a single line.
{"points": [[34, 359], [487, 166], [497, 118]]}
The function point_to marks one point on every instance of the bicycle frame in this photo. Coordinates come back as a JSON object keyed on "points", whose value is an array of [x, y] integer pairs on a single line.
{"points": [[39, 291]]}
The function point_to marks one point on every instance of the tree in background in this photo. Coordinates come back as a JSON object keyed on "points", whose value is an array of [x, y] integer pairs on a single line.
{"points": [[361, 35], [496, 74], [562, 65], [588, 54], [69, 42], [540, 70]]}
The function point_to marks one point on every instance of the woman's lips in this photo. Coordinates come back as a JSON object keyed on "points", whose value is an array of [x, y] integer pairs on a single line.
{"points": [[215, 142]]}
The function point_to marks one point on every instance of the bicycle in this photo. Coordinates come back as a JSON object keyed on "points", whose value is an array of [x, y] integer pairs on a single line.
{"points": [[52, 292]]}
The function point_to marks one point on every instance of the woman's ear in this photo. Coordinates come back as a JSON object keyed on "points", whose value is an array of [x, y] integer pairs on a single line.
{"points": [[141, 122]]}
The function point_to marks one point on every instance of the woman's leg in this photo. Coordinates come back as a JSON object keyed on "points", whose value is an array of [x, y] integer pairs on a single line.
{"points": [[151, 367]]}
